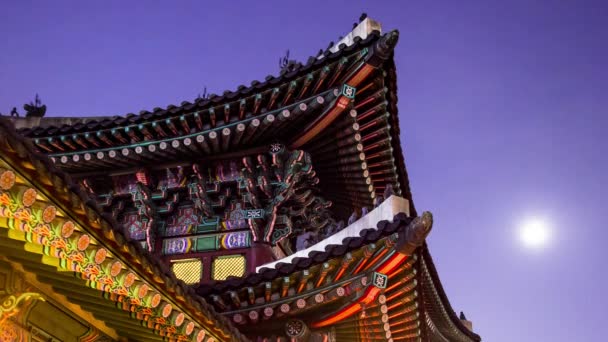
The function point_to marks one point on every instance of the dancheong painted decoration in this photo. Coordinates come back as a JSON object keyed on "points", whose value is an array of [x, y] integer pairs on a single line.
{"points": [[280, 211]]}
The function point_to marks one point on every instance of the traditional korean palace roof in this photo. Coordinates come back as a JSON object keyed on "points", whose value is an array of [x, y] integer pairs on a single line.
{"points": [[373, 281], [52, 231], [224, 189], [340, 107]]}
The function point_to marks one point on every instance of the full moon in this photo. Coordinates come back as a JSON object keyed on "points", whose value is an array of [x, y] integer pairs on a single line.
{"points": [[534, 233]]}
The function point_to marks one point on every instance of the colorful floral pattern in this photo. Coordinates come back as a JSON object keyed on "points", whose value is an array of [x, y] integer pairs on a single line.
{"points": [[129, 279], [189, 328], [7, 180], [49, 214], [83, 242], [47, 227], [9, 332], [142, 291], [179, 319], [200, 336], [155, 300], [167, 310], [67, 229], [29, 197], [100, 255], [116, 268]]}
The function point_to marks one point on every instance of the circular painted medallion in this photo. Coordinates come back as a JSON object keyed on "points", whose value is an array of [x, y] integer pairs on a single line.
{"points": [[167, 310], [155, 300], [115, 268], [200, 336], [49, 214], [142, 291], [29, 197], [319, 297], [83, 242], [100, 255], [67, 229], [179, 319], [129, 279], [189, 328], [7, 180], [294, 328]]}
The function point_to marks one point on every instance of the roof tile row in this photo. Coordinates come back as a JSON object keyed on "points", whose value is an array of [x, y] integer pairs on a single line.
{"points": [[214, 99], [367, 236]]}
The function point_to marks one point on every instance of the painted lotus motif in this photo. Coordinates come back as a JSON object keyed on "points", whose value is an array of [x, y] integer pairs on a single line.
{"points": [[29, 197], [115, 269], [67, 229], [49, 214], [7, 180], [142, 291], [83, 242], [129, 279], [100, 255]]}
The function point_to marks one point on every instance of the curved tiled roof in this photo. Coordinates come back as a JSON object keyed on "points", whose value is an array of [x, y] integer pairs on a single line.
{"points": [[367, 236], [270, 81], [384, 228]]}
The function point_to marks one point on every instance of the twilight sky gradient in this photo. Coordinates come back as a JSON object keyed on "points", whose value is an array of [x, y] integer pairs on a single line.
{"points": [[503, 110]]}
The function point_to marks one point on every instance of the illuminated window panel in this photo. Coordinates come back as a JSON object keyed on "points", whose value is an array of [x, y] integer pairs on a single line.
{"points": [[229, 265], [189, 271]]}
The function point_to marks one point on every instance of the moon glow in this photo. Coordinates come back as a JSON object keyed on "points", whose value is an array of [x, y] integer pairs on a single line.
{"points": [[534, 233]]}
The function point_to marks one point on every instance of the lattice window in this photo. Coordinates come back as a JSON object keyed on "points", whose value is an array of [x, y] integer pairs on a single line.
{"points": [[229, 265], [189, 270]]}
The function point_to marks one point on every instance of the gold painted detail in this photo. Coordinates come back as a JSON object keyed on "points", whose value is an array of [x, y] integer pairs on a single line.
{"points": [[10, 304], [45, 230], [189, 271], [229, 265]]}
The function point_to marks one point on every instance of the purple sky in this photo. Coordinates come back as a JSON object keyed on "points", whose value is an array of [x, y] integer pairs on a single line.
{"points": [[502, 108]]}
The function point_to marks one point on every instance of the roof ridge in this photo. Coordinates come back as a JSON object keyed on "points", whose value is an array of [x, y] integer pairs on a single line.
{"points": [[339, 49]]}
